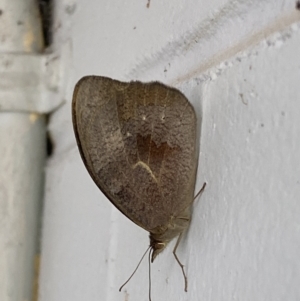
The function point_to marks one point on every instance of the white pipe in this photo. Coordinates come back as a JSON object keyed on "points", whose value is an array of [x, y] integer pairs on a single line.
{"points": [[22, 156]]}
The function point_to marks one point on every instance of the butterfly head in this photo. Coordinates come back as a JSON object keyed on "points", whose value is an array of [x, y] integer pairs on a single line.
{"points": [[156, 247]]}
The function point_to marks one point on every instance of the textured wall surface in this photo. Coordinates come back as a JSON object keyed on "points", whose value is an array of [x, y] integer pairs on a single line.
{"points": [[238, 62]]}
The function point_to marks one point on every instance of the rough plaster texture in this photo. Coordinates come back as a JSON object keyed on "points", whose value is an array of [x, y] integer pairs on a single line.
{"points": [[243, 74]]}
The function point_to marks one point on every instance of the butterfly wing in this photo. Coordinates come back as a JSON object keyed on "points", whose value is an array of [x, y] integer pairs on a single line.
{"points": [[138, 142]]}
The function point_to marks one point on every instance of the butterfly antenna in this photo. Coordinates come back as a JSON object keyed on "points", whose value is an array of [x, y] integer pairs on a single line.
{"points": [[200, 191], [149, 263], [135, 269]]}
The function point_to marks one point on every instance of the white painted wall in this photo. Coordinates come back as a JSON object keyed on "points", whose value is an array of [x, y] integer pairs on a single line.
{"points": [[238, 62]]}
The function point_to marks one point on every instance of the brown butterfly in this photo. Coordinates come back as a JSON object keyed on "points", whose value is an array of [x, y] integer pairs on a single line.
{"points": [[138, 142]]}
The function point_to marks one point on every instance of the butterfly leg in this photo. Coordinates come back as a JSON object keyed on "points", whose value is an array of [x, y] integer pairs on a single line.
{"points": [[180, 264], [182, 223], [200, 191]]}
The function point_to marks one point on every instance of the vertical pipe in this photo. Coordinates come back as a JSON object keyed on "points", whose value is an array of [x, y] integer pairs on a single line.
{"points": [[22, 159]]}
